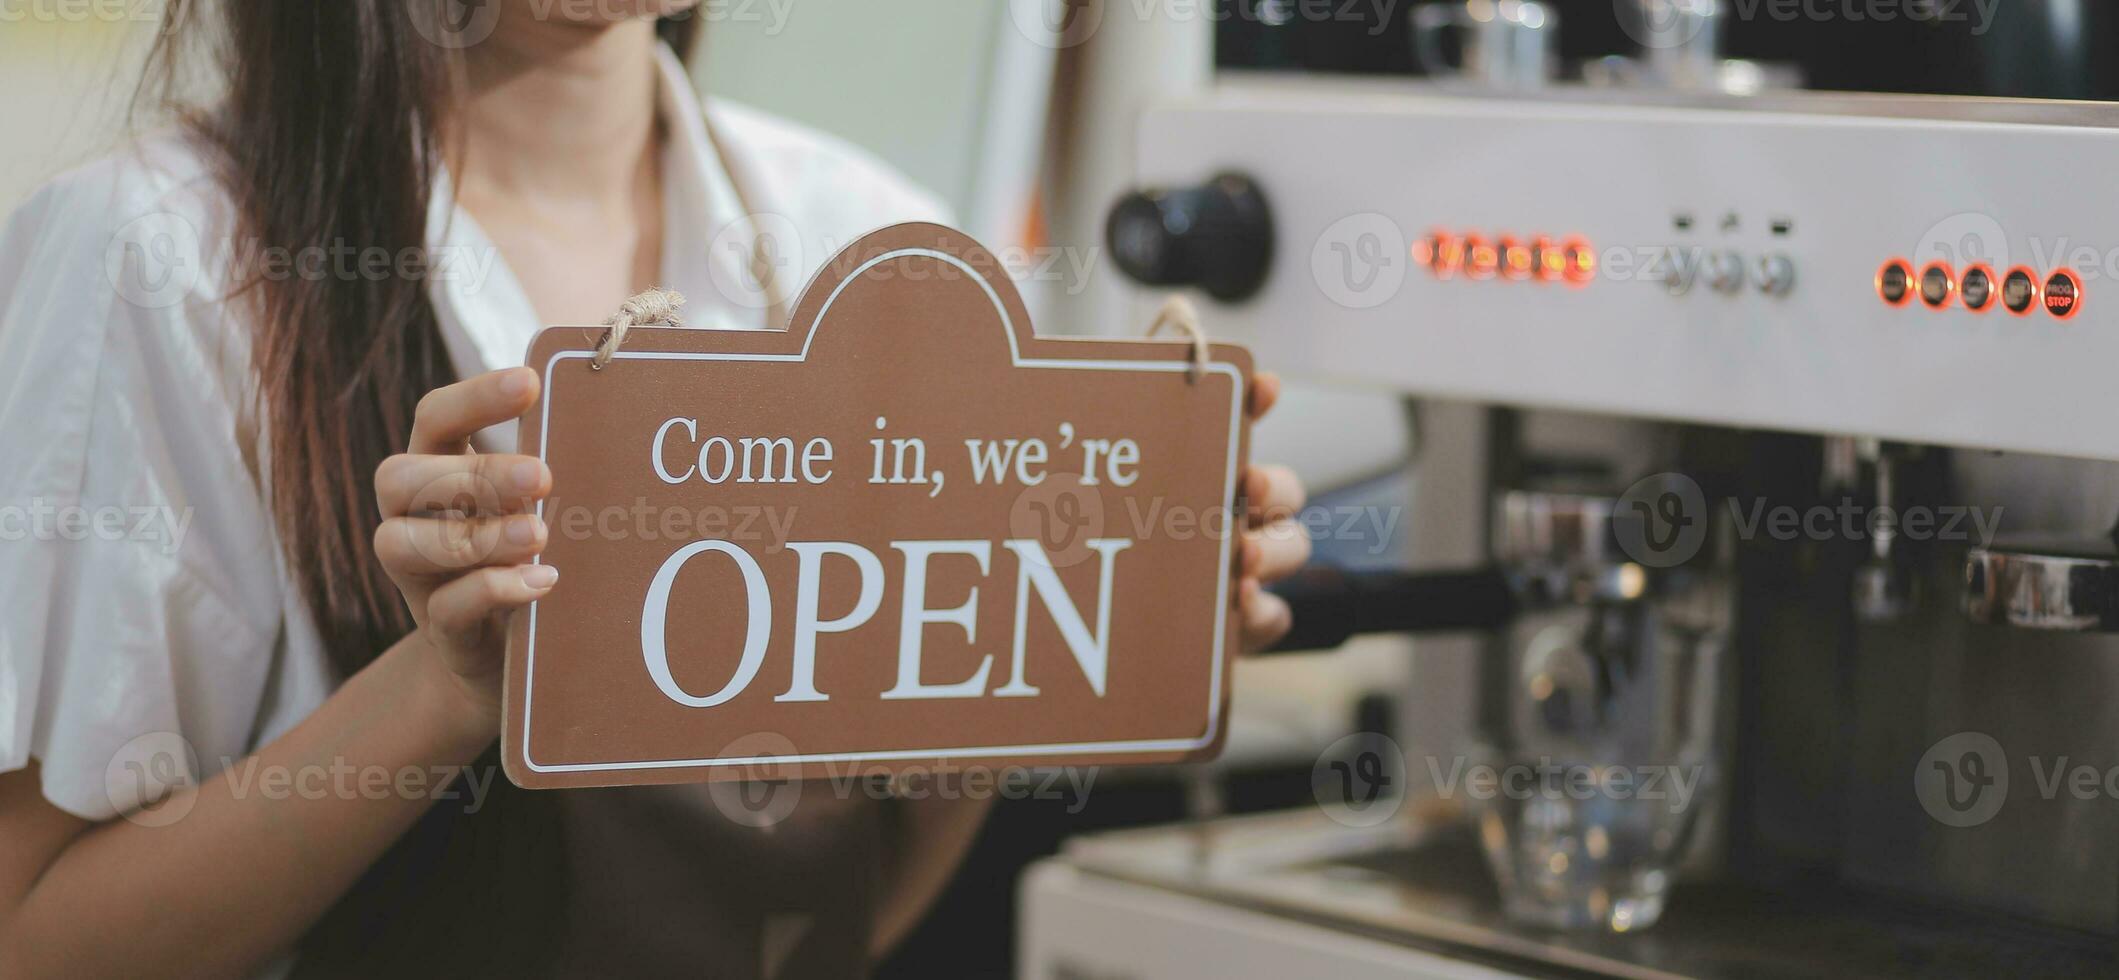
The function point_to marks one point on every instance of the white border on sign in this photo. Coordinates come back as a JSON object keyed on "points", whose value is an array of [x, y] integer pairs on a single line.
{"points": [[1015, 354]]}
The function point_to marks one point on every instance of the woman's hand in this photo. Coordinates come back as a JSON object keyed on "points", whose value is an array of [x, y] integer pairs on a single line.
{"points": [[1273, 544], [457, 533]]}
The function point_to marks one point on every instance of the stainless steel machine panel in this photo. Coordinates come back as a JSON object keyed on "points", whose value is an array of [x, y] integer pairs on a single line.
{"points": [[1737, 250]]}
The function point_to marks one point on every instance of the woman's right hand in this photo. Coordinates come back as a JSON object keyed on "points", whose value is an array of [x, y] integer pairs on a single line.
{"points": [[458, 532]]}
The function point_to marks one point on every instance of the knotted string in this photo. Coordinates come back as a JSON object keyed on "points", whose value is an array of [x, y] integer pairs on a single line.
{"points": [[1179, 313], [656, 308]]}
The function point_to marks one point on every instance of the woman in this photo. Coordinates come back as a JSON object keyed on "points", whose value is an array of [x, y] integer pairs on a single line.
{"points": [[246, 338]]}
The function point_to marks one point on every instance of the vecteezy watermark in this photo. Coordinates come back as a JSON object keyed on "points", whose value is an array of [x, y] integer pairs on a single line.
{"points": [[1971, 238], [1671, 23], [1665, 23], [39, 519], [85, 11], [1360, 780], [1962, 240], [343, 780], [1066, 514], [1066, 23], [458, 24], [768, 247], [1363, 779], [766, 792], [1663, 520], [156, 260], [1963, 780], [1360, 261], [1849, 520], [1672, 785], [644, 521], [149, 780], [462, 544]]}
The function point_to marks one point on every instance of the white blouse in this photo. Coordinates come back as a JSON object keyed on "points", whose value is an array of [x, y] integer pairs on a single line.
{"points": [[146, 613]]}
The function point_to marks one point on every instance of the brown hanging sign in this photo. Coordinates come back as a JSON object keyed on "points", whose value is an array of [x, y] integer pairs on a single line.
{"points": [[906, 531]]}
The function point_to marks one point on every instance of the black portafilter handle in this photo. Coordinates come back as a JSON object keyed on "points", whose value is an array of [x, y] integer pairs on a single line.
{"points": [[1332, 605]]}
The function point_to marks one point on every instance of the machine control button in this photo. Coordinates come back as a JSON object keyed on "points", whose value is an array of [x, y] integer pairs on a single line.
{"points": [[1976, 288], [1217, 236], [1776, 274], [1725, 272], [2020, 291], [1937, 286], [2063, 294], [1679, 270], [1894, 282]]}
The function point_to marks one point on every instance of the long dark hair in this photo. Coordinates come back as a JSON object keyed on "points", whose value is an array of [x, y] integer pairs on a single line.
{"points": [[327, 132]]}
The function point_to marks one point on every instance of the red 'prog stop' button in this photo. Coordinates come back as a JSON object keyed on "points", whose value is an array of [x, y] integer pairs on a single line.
{"points": [[2063, 294]]}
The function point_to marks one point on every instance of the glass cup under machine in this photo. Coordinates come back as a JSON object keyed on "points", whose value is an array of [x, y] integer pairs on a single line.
{"points": [[1760, 360]]}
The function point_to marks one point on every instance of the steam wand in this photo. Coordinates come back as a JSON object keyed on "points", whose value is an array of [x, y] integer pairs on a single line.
{"points": [[1332, 605]]}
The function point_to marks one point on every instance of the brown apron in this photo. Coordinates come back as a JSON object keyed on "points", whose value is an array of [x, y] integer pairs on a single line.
{"points": [[651, 881]]}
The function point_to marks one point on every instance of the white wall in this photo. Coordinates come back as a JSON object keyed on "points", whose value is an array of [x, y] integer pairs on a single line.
{"points": [[65, 87], [906, 80]]}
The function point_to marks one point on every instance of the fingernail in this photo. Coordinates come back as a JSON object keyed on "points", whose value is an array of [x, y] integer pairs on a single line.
{"points": [[515, 384], [539, 577], [527, 475], [522, 530]]}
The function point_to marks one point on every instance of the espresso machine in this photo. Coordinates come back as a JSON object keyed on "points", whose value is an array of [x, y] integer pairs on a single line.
{"points": [[1760, 376]]}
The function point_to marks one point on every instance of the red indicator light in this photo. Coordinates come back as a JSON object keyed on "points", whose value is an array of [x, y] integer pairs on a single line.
{"points": [[1540, 258], [2063, 294], [1440, 252], [1481, 258], [1450, 260], [1516, 260], [1550, 261], [1579, 260]]}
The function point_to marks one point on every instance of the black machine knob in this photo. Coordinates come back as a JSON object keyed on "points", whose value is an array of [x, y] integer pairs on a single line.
{"points": [[1218, 237]]}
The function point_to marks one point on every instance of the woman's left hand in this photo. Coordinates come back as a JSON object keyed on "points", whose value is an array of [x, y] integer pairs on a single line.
{"points": [[1273, 545]]}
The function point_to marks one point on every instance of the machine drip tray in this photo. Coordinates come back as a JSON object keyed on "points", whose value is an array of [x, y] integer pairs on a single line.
{"points": [[1420, 881]]}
